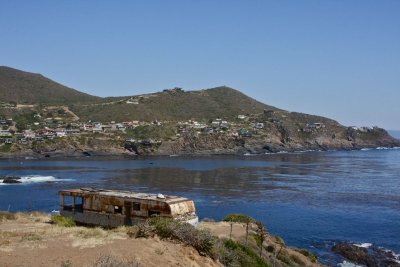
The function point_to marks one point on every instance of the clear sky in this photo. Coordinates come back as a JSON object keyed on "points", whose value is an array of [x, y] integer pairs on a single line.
{"points": [[339, 59]]}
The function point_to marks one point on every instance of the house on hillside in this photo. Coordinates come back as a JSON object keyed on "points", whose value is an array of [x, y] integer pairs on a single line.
{"points": [[73, 131], [60, 133], [5, 133]]}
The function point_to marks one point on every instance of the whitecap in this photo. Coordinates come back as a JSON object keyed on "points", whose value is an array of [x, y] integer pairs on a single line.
{"points": [[348, 264], [30, 179], [363, 245], [382, 148]]}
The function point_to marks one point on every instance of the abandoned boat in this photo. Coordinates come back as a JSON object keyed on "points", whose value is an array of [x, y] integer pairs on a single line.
{"points": [[111, 208]]}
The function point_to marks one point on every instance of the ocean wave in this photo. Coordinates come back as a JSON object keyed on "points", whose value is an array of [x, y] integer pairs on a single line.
{"points": [[348, 264], [380, 148], [363, 245], [30, 179]]}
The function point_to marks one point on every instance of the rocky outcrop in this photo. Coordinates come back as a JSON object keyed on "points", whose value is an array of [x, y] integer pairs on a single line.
{"points": [[10, 179], [367, 255]]}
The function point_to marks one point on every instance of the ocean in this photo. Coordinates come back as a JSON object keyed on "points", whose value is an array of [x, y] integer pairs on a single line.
{"points": [[311, 199]]}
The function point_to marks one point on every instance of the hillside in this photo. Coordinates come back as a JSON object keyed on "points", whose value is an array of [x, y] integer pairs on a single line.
{"points": [[189, 122], [173, 105], [24, 236], [30, 88]]}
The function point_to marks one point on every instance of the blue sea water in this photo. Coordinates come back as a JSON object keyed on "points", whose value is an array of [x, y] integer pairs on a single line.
{"points": [[311, 200]]}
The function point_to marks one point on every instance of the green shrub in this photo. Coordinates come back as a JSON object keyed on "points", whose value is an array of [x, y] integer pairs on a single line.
{"points": [[201, 240], [228, 252], [62, 221], [5, 148], [245, 255], [270, 248], [239, 218]]}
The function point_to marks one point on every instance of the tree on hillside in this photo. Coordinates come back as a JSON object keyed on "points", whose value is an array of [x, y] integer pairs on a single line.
{"points": [[261, 234], [239, 218]]}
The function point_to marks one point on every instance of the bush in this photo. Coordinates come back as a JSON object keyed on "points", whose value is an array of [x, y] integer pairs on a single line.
{"points": [[245, 255], [132, 231], [270, 248], [228, 252], [62, 221], [201, 240], [239, 218]]}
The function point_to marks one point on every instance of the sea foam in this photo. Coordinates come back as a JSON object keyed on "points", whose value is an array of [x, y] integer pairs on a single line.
{"points": [[30, 179]]}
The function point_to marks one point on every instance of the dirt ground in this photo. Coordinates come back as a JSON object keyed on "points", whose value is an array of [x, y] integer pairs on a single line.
{"points": [[33, 241]]}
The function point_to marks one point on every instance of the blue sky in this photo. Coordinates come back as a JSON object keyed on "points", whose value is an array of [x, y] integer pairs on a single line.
{"points": [[339, 59]]}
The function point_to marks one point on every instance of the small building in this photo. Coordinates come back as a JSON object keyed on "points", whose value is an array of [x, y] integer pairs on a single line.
{"points": [[29, 134], [60, 133], [73, 131], [111, 208], [5, 133]]}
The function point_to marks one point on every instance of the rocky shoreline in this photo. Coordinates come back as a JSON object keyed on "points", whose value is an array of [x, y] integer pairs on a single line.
{"points": [[29, 154], [367, 254]]}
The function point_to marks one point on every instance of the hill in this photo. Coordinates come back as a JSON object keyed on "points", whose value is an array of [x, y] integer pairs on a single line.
{"points": [[30, 88], [173, 105], [261, 129]]}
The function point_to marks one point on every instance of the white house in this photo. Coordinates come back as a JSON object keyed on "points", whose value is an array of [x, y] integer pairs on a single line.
{"points": [[4, 133]]}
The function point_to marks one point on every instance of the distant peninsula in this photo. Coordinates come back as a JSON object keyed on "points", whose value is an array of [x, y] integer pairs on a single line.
{"points": [[42, 118]]}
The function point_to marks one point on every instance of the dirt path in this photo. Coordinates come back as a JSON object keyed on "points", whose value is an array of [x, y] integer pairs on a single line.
{"points": [[74, 116]]}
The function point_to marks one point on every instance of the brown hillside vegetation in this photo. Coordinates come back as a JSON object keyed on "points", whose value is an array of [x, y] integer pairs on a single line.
{"points": [[31, 88], [219, 102]]}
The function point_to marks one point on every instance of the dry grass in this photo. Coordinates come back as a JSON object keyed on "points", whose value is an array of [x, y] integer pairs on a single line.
{"points": [[110, 261], [4, 215]]}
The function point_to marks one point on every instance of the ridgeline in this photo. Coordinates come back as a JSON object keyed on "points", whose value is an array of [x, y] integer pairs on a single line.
{"points": [[219, 120]]}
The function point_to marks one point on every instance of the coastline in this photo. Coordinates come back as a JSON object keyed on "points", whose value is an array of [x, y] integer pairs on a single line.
{"points": [[126, 154]]}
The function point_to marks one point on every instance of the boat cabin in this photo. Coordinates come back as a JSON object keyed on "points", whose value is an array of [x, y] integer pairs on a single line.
{"points": [[111, 208]]}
